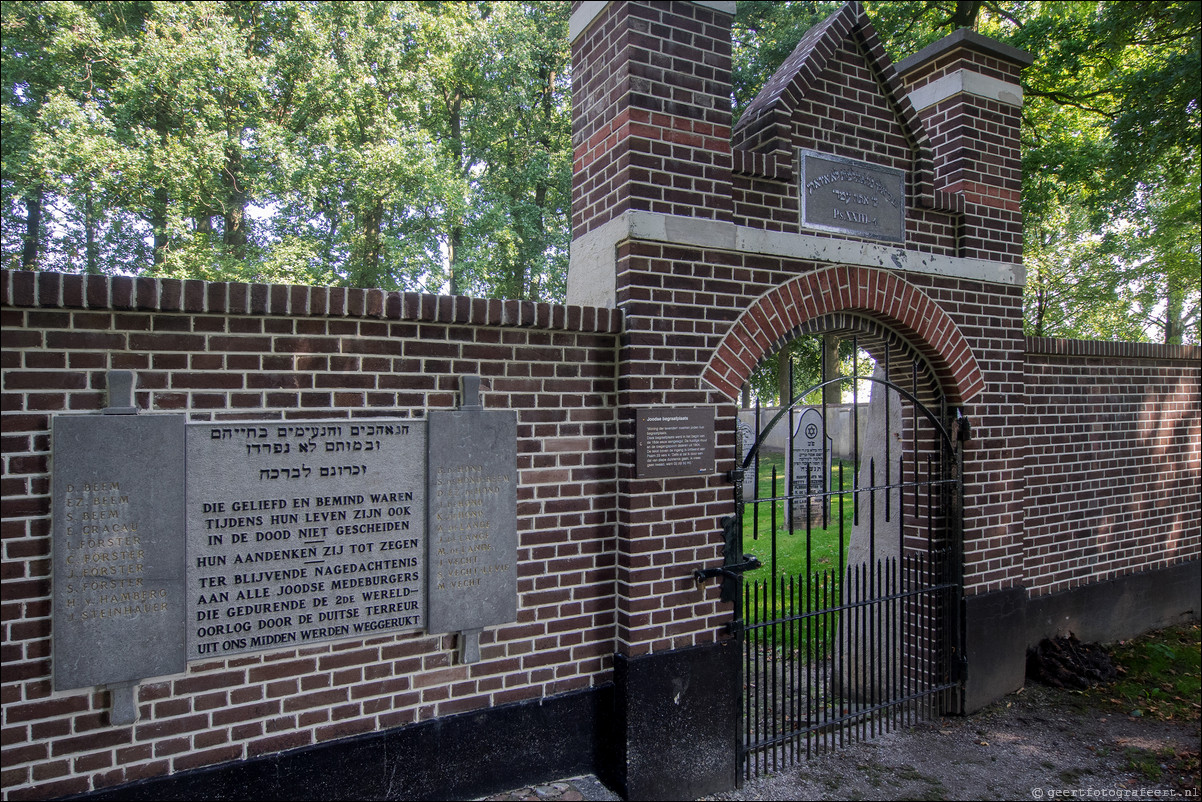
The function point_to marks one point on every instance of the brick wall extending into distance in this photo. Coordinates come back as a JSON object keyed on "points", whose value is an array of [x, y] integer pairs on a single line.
{"points": [[1112, 469], [255, 352]]}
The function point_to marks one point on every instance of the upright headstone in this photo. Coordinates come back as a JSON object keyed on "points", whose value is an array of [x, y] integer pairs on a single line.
{"points": [[746, 435], [866, 670], [810, 463]]}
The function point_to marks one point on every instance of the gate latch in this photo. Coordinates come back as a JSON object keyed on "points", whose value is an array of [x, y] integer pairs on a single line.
{"points": [[750, 563], [731, 569]]}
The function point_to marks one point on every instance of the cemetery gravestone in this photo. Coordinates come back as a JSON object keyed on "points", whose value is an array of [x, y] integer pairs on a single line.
{"points": [[810, 463]]}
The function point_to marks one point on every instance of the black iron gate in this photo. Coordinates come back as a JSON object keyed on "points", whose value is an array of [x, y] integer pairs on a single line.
{"points": [[848, 615]]}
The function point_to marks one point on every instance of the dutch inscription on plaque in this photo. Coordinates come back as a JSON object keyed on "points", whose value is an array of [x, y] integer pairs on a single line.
{"points": [[847, 196], [119, 597], [472, 522], [674, 442], [301, 532]]}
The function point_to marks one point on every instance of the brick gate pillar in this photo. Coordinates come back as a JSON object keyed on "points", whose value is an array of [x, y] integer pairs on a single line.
{"points": [[966, 90], [651, 137]]}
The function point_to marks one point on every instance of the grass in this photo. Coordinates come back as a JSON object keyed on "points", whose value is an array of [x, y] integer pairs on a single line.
{"points": [[815, 561], [1160, 675], [791, 541]]}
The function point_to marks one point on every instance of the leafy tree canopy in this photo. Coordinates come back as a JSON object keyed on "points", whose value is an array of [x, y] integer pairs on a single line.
{"points": [[427, 145], [392, 144]]}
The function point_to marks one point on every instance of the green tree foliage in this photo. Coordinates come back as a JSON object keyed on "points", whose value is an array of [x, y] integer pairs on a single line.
{"points": [[401, 145], [1110, 136], [427, 145]]}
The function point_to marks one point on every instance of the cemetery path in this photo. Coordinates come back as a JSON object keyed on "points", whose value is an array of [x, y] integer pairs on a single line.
{"points": [[1037, 744]]}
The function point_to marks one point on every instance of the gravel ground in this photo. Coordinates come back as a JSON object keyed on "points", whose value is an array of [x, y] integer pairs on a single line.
{"points": [[1036, 744], [1039, 743]]}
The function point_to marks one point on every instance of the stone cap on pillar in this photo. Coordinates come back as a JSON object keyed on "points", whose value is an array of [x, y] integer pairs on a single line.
{"points": [[966, 38], [933, 74]]}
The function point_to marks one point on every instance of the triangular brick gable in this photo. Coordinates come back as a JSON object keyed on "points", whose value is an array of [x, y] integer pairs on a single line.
{"points": [[774, 124]]}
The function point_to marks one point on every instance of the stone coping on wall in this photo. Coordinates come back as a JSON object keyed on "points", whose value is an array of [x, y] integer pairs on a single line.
{"points": [[1053, 346], [593, 269], [43, 289]]}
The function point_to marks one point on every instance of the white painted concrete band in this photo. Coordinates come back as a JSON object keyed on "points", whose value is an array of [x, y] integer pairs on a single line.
{"points": [[592, 264], [589, 10], [968, 82]]}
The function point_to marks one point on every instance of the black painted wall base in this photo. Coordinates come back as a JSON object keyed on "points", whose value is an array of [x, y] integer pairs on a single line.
{"points": [[457, 757], [676, 723], [999, 627], [995, 645], [1119, 608]]}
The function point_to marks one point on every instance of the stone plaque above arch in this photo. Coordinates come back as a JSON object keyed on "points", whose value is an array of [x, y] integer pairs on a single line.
{"points": [[847, 288]]}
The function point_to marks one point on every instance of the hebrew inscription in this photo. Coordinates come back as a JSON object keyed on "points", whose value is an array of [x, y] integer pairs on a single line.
{"points": [[303, 531], [846, 196]]}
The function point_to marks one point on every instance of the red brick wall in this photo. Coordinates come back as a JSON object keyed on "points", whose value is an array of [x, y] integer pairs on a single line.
{"points": [[235, 351], [651, 128], [1112, 470], [977, 152]]}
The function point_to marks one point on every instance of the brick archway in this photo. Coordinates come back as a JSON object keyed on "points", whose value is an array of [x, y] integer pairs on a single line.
{"points": [[880, 294]]}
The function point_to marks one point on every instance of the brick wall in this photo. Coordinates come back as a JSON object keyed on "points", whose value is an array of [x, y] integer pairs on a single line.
{"points": [[1112, 470], [974, 134], [644, 136], [606, 557], [234, 352]]}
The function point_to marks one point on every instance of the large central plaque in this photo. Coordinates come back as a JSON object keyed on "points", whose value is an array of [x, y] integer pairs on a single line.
{"points": [[847, 196], [303, 531]]}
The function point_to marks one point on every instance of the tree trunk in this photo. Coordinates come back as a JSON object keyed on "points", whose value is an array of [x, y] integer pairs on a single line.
{"points": [[453, 245], [158, 223], [1174, 305], [91, 250], [831, 394], [33, 229], [235, 237], [784, 377], [965, 15]]}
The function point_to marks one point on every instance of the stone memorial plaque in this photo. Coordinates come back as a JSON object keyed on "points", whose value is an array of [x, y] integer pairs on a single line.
{"points": [[472, 521], [303, 531], [118, 548], [674, 442], [846, 196]]}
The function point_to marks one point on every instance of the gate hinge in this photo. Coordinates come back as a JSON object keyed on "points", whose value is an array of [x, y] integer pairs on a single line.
{"points": [[735, 475], [735, 627]]}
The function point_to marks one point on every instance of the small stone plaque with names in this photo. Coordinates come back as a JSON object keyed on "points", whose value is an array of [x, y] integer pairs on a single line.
{"points": [[472, 523], [674, 442], [846, 196], [303, 531], [118, 548]]}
